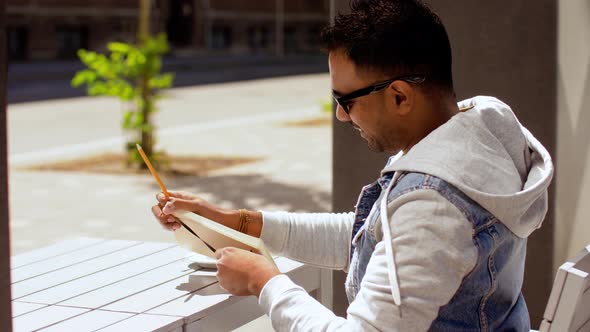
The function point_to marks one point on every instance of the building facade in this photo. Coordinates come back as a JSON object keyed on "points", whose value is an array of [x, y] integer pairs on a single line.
{"points": [[56, 29]]}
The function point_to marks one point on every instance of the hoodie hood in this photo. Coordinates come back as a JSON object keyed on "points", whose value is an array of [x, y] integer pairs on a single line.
{"points": [[488, 155]]}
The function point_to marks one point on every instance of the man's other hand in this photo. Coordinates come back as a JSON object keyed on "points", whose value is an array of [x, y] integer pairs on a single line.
{"points": [[179, 200], [241, 272]]}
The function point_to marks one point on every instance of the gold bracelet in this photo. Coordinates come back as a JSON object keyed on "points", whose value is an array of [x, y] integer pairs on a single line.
{"points": [[244, 221]]}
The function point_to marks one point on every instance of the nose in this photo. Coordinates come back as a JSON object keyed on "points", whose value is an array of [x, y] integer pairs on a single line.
{"points": [[341, 115]]}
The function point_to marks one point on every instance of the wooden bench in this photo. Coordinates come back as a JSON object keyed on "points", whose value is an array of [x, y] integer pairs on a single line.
{"points": [[90, 284], [568, 308]]}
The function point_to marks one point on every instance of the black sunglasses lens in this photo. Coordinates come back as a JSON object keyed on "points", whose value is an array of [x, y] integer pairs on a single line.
{"points": [[346, 107]]}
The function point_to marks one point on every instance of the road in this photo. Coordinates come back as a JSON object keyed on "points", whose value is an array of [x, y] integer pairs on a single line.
{"points": [[41, 80], [36, 127]]}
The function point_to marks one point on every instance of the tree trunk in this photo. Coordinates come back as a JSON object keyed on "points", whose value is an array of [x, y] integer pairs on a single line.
{"points": [[147, 142], [143, 33]]}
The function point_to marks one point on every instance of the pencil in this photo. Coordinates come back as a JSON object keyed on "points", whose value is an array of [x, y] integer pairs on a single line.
{"points": [[153, 171]]}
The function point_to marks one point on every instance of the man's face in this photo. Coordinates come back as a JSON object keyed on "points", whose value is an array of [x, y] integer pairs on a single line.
{"points": [[373, 115]]}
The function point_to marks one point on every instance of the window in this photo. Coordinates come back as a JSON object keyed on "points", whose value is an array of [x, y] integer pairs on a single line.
{"points": [[17, 43], [221, 37], [179, 25], [290, 42], [70, 39], [258, 37], [313, 37]]}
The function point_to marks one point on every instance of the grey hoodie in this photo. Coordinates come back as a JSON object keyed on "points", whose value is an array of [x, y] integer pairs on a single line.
{"points": [[486, 154], [492, 150]]}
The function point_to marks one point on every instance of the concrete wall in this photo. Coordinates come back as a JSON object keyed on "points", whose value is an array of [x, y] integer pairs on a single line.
{"points": [[504, 48], [572, 231]]}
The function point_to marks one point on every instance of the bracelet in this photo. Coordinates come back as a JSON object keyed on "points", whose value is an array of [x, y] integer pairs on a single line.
{"points": [[244, 221]]}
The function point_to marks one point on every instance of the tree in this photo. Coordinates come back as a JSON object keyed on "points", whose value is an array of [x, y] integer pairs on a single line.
{"points": [[131, 73]]}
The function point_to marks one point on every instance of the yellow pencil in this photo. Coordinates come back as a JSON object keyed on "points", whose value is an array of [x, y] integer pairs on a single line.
{"points": [[153, 171]]}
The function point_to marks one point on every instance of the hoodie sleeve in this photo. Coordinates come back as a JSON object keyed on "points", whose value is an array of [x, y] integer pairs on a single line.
{"points": [[433, 248], [317, 239]]}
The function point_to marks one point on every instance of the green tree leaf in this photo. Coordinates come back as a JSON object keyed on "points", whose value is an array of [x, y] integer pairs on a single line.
{"points": [[162, 81], [116, 47], [130, 73]]}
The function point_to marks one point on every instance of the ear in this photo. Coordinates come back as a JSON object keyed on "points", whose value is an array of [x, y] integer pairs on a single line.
{"points": [[403, 95]]}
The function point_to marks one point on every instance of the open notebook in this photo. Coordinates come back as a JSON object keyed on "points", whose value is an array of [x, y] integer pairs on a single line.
{"points": [[203, 236]]}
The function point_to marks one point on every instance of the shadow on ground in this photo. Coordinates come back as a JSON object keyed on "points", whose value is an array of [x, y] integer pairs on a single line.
{"points": [[254, 192]]}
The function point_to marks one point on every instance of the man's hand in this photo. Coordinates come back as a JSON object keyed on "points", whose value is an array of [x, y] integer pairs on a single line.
{"points": [[241, 272], [179, 200]]}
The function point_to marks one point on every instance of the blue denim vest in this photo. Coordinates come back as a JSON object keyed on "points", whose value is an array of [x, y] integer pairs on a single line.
{"points": [[489, 297]]}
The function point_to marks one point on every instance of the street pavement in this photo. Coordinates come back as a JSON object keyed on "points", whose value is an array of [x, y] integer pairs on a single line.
{"points": [[41, 80], [240, 119]]}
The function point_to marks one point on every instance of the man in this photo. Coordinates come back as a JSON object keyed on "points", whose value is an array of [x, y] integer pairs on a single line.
{"points": [[438, 242]]}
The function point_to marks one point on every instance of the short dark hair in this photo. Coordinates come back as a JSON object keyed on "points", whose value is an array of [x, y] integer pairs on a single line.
{"points": [[396, 37]]}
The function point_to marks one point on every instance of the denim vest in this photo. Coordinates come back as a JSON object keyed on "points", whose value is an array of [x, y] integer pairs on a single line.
{"points": [[489, 297]]}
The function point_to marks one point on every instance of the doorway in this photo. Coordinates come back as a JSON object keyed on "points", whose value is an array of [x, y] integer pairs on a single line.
{"points": [[179, 24]]}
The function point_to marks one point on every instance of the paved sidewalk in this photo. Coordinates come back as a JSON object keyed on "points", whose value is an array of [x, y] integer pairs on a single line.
{"points": [[294, 174]]}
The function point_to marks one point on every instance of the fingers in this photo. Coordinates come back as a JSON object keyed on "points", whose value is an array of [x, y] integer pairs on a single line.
{"points": [[177, 200], [174, 204], [171, 206], [182, 194], [241, 272], [224, 251], [179, 194], [163, 201], [168, 222], [167, 205], [229, 252], [161, 198]]}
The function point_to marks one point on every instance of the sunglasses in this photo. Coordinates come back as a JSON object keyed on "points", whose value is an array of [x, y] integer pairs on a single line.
{"points": [[345, 100]]}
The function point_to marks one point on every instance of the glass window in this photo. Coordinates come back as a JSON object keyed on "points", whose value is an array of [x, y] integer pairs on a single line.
{"points": [[221, 37], [70, 39], [258, 37], [17, 39]]}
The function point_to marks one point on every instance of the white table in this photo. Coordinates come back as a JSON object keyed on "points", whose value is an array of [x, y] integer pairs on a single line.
{"points": [[90, 284]]}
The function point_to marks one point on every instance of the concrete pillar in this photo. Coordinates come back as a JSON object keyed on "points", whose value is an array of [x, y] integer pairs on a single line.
{"points": [[5, 306], [508, 49], [573, 137], [504, 48]]}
